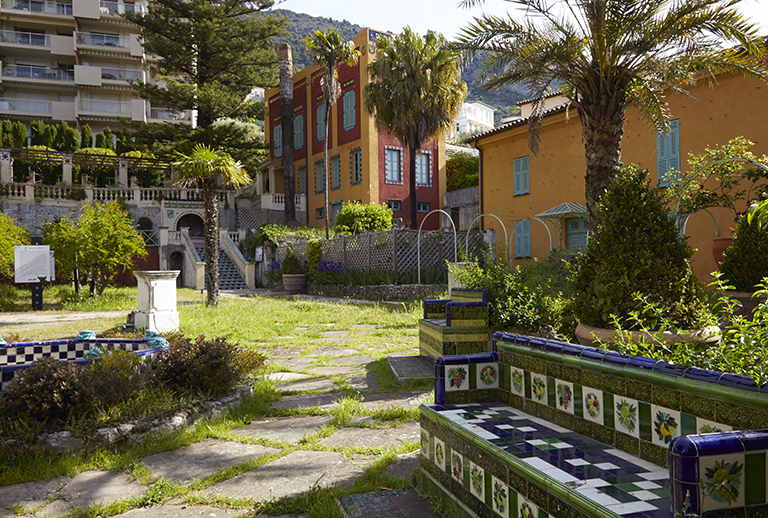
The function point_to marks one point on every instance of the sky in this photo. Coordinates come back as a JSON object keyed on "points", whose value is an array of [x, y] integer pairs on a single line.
{"points": [[444, 16]]}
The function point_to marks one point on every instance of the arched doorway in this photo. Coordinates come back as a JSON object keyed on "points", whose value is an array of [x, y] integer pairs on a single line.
{"points": [[194, 223], [176, 262]]}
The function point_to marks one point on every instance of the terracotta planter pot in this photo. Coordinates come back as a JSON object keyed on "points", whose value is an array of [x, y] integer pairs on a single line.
{"points": [[720, 245], [593, 336], [293, 283], [748, 302]]}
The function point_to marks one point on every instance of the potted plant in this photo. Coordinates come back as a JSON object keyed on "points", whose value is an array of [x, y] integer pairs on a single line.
{"points": [[744, 266], [635, 257], [293, 274]]}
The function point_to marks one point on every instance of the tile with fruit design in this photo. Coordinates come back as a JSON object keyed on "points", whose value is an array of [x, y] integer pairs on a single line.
{"points": [[564, 396], [456, 377], [487, 375]]}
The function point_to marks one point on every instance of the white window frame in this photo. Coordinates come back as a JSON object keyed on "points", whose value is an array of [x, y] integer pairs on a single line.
{"points": [[393, 165], [424, 177], [348, 103]]}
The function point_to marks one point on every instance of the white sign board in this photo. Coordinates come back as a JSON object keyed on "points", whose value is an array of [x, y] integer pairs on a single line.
{"points": [[258, 254], [32, 262]]}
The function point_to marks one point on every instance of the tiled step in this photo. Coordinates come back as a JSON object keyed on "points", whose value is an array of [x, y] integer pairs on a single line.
{"points": [[229, 276]]}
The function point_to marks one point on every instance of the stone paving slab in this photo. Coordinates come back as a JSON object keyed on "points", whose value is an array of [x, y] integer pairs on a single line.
{"points": [[332, 351], [310, 385], [340, 340], [100, 487], [181, 511], [201, 459], [403, 399], [366, 382], [333, 334], [288, 429], [334, 370], [404, 465], [282, 352], [359, 359], [308, 400], [294, 363], [282, 377], [364, 326], [291, 475], [373, 437], [30, 494], [411, 367]]}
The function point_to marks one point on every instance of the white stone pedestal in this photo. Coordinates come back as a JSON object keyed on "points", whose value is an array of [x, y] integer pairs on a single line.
{"points": [[453, 281], [157, 301]]}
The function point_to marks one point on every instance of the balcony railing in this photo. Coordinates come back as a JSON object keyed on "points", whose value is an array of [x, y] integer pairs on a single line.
{"points": [[120, 74], [37, 6], [102, 40], [25, 38], [168, 114], [96, 105], [38, 72], [8, 104], [112, 7]]}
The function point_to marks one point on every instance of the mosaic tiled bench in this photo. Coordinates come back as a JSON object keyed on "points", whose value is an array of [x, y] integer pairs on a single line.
{"points": [[458, 325], [539, 428], [15, 357]]}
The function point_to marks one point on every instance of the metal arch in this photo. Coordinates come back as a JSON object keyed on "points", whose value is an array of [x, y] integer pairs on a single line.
{"points": [[466, 241], [509, 245], [418, 241], [685, 223]]}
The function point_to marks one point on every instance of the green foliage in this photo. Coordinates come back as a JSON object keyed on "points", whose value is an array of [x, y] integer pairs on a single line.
{"points": [[19, 134], [7, 133], [46, 171], [104, 139], [99, 175], [314, 256], [462, 170], [291, 264], [117, 376], [744, 264], [356, 217], [42, 134], [636, 249], [271, 234], [10, 235], [209, 366], [86, 137], [67, 138], [102, 242]]}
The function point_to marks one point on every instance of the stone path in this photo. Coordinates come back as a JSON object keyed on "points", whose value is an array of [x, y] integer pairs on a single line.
{"points": [[276, 456]]}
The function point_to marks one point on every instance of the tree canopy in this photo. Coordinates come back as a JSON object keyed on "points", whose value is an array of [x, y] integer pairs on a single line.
{"points": [[604, 55], [10, 235]]}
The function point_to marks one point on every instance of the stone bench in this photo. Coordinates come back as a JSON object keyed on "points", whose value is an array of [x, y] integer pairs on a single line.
{"points": [[19, 356], [538, 428], [458, 325]]}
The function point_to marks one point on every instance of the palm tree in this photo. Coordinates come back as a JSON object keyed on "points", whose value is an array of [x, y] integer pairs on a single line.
{"points": [[328, 50], [205, 167], [604, 55], [415, 92]]}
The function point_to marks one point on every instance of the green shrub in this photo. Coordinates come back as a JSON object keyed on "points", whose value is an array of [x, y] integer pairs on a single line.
{"points": [[462, 170], [291, 264], [636, 249], [314, 256], [116, 376], [744, 264], [208, 366], [48, 391], [356, 217]]}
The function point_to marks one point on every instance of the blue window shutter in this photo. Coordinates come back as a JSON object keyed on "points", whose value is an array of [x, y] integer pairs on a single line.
{"points": [[349, 110], [527, 238], [519, 242], [526, 177], [320, 119], [674, 146], [298, 132], [277, 137], [668, 152], [517, 180]]}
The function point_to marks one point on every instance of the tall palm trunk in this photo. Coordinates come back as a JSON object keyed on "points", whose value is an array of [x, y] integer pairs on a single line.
{"points": [[286, 121], [330, 75], [211, 208], [412, 149]]}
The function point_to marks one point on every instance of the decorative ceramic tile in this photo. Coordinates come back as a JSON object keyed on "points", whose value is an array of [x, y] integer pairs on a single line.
{"points": [[439, 453], [477, 481], [593, 404], [707, 426], [722, 481], [500, 497], [564, 396], [456, 378], [539, 388], [666, 425], [517, 381], [425, 443], [488, 375], [625, 416], [526, 509], [457, 466]]}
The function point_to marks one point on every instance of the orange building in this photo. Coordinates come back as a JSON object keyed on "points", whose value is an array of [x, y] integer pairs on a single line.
{"points": [[542, 196], [366, 165]]}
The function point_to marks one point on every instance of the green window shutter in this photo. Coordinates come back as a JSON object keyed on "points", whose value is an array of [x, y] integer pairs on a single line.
{"points": [[522, 175], [526, 238], [298, 132], [320, 119], [277, 138], [674, 146], [668, 152], [349, 110]]}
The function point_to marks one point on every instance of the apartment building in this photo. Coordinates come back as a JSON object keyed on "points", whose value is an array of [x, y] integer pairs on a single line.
{"points": [[474, 117], [71, 60], [365, 164]]}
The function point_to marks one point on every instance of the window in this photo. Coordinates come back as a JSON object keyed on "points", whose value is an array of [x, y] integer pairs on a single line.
{"points": [[301, 180], [298, 132], [356, 166], [349, 110], [423, 176], [320, 213], [577, 233], [277, 139], [522, 176], [523, 238], [394, 205], [668, 154], [335, 209], [321, 122], [392, 165], [319, 177], [336, 172], [422, 206]]}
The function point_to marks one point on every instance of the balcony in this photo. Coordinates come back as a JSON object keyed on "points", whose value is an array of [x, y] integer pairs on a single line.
{"points": [[119, 74], [24, 106], [112, 7], [25, 72], [36, 6], [114, 108], [32, 39], [102, 40], [166, 114]]}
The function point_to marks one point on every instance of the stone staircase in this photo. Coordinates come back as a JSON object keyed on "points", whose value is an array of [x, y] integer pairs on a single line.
{"points": [[229, 276]]}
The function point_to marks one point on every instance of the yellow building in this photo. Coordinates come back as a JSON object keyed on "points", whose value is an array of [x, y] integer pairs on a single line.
{"points": [[70, 60], [543, 195], [365, 165]]}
